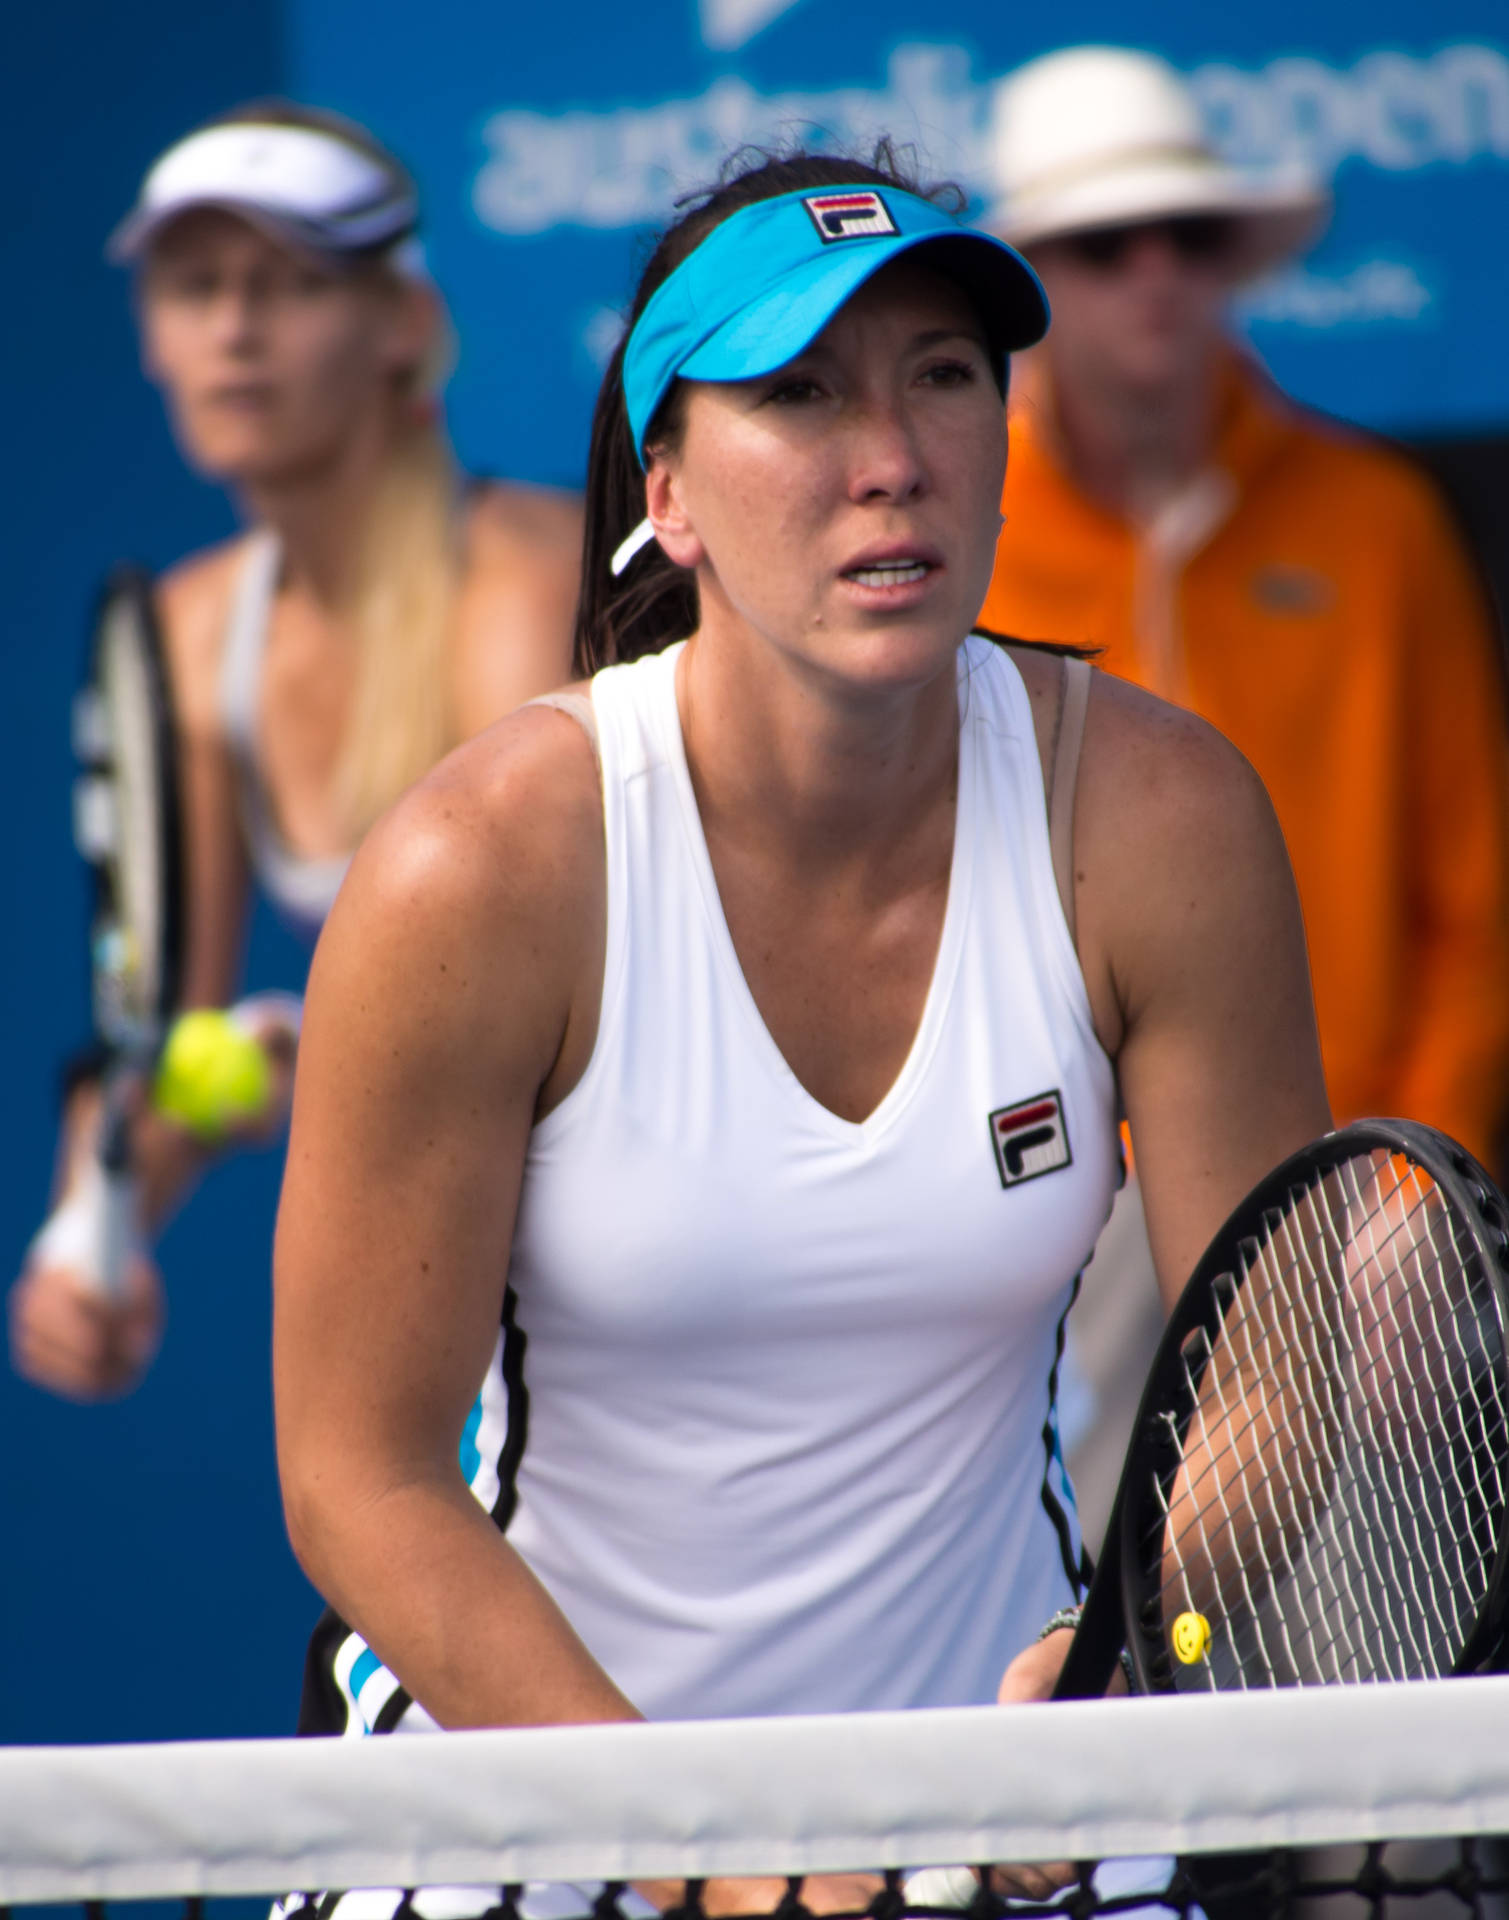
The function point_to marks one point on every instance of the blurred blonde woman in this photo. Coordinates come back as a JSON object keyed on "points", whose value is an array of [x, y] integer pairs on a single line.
{"points": [[378, 610]]}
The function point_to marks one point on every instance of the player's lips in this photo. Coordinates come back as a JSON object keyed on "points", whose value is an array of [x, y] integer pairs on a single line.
{"points": [[243, 396], [887, 569]]}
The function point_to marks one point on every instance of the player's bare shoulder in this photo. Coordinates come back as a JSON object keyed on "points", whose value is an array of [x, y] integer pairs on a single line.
{"points": [[1155, 775], [517, 610], [497, 853], [1177, 851], [509, 522], [193, 603]]}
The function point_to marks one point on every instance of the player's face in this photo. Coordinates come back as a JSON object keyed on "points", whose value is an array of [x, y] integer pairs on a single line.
{"points": [[845, 508], [270, 362], [1141, 306]]}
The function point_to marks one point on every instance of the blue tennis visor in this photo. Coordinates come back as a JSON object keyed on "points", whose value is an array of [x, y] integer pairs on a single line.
{"points": [[769, 278]]}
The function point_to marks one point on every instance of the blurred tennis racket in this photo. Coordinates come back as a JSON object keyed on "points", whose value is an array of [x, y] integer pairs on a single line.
{"points": [[127, 826], [1317, 1483]]}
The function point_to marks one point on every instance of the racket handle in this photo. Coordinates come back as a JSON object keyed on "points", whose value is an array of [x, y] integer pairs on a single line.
{"points": [[1100, 1635], [119, 1235], [117, 1204]]}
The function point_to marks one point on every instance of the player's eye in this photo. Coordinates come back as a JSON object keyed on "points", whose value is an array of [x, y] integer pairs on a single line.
{"points": [[189, 283], [949, 373], [793, 390], [307, 282]]}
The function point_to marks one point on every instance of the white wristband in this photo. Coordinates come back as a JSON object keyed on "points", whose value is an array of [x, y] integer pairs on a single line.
{"points": [[93, 1231]]}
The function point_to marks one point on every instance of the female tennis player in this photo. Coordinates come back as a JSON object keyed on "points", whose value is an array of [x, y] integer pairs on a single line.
{"points": [[705, 1110], [375, 612]]}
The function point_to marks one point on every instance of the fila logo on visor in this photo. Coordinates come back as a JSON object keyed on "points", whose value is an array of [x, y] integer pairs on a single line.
{"points": [[1030, 1138], [848, 216]]}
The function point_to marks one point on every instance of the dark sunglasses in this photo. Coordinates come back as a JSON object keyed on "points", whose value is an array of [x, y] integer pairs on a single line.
{"points": [[1193, 237]]}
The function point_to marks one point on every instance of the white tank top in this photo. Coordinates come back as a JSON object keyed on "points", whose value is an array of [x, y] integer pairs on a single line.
{"points": [[301, 887], [772, 1411]]}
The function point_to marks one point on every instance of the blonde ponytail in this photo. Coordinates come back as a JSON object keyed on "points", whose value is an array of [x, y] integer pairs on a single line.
{"points": [[402, 717], [407, 574]]}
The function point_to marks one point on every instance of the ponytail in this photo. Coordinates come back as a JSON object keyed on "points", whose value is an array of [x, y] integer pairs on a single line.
{"points": [[407, 568]]}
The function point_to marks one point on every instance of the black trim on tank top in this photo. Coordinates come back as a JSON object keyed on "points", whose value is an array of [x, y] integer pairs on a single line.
{"points": [[1078, 1569], [322, 1705], [392, 1710], [516, 1435]]}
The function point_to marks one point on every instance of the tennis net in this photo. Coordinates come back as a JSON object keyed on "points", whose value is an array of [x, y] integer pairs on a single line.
{"points": [[1344, 1801]]}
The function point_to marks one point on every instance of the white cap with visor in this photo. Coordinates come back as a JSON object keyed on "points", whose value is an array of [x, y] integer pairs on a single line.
{"points": [[301, 185]]}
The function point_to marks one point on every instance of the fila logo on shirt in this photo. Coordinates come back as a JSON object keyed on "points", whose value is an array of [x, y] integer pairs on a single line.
{"points": [[848, 216], [1030, 1138]]}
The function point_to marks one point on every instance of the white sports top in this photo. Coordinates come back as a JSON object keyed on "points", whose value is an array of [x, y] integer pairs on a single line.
{"points": [[772, 1411], [301, 888]]}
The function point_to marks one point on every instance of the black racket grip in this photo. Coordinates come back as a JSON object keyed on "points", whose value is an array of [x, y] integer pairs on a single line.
{"points": [[1101, 1633]]}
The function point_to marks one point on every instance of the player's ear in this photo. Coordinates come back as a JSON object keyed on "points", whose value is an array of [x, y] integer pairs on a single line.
{"points": [[666, 511], [416, 326]]}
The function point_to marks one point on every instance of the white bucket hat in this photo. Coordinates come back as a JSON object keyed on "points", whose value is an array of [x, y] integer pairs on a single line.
{"points": [[1107, 136]]}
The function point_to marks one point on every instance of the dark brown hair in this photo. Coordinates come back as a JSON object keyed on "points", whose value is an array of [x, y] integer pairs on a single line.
{"points": [[655, 601]]}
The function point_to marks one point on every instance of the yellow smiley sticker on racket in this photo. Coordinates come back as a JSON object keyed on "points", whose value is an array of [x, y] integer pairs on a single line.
{"points": [[1191, 1637]]}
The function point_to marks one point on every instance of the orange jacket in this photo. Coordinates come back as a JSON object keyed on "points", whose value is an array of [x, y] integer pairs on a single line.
{"points": [[1309, 597]]}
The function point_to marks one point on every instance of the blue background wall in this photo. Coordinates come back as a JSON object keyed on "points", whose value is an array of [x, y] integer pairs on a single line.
{"points": [[541, 153], [145, 1587]]}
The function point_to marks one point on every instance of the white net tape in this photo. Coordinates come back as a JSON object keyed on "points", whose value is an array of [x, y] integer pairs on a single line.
{"points": [[1088, 1780]]}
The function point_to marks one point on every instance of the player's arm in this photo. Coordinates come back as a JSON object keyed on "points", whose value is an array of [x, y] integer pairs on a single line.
{"points": [[462, 955], [1194, 955], [517, 613], [1193, 950], [65, 1334]]}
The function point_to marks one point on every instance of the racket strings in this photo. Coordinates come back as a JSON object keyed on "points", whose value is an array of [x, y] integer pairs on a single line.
{"points": [[1397, 1397], [1229, 1433], [1463, 1430], [1333, 1486], [1392, 1606]]}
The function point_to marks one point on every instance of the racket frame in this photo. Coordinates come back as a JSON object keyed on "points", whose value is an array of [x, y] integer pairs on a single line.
{"points": [[131, 1034], [135, 1035], [1118, 1610]]}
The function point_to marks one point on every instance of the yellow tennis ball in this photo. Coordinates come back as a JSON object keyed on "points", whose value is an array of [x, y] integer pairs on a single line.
{"points": [[1191, 1637], [212, 1074]]}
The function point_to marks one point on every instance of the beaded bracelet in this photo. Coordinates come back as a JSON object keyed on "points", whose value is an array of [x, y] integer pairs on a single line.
{"points": [[1070, 1617]]}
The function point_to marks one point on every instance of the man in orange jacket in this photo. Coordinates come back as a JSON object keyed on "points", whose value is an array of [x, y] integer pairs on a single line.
{"points": [[1294, 583]]}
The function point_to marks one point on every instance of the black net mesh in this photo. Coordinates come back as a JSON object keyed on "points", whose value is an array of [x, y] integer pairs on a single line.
{"points": [[1425, 1880]]}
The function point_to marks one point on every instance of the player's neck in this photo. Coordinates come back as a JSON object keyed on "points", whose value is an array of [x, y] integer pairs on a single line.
{"points": [[319, 514], [1133, 447], [834, 781]]}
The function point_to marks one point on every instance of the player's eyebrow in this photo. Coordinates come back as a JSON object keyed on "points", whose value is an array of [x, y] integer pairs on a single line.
{"points": [[935, 336]]}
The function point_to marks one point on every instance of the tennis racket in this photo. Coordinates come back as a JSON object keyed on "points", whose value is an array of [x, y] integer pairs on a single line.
{"points": [[1317, 1483], [127, 825]]}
